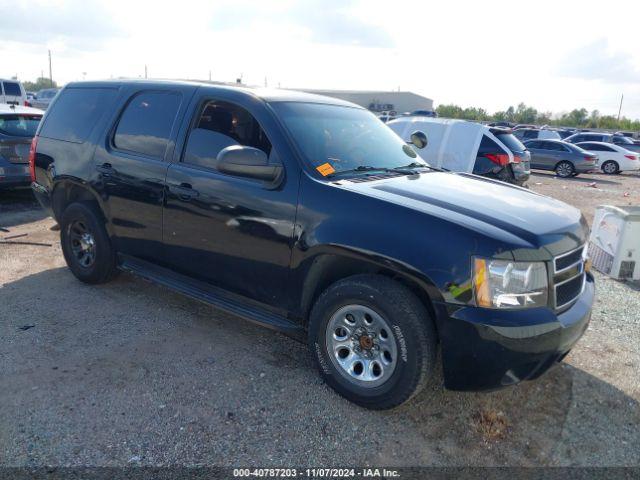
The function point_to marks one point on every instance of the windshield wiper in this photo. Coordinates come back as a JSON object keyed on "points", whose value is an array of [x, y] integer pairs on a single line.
{"points": [[420, 165], [361, 168]]}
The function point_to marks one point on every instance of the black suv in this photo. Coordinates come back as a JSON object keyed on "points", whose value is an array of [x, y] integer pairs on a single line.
{"points": [[308, 215]]}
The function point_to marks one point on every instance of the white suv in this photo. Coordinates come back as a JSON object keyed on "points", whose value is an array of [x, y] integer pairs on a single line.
{"points": [[12, 92]]}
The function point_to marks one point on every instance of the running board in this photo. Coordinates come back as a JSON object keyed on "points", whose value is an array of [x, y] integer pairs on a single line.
{"points": [[212, 296]]}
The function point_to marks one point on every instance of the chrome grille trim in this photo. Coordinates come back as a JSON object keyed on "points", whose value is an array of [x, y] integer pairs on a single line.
{"points": [[581, 273]]}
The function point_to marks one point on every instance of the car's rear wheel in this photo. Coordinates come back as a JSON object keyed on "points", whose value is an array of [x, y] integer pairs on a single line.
{"points": [[610, 167], [565, 169], [373, 340], [86, 246]]}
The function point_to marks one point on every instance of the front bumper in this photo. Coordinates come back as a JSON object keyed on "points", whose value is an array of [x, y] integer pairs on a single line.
{"points": [[486, 349]]}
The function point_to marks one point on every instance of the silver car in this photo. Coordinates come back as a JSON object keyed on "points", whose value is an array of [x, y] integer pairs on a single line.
{"points": [[566, 159], [43, 98]]}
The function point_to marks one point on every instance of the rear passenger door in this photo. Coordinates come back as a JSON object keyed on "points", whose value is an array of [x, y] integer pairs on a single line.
{"points": [[131, 164], [233, 233]]}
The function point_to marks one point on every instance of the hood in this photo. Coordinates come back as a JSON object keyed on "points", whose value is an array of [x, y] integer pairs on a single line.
{"points": [[485, 205]]}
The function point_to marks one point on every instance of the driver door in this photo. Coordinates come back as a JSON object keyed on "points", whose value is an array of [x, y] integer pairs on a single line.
{"points": [[230, 232]]}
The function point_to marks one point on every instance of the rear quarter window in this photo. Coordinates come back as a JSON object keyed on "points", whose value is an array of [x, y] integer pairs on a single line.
{"points": [[75, 112], [12, 89]]}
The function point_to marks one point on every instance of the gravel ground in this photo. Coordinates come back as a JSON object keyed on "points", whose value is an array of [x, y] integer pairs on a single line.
{"points": [[130, 373]]}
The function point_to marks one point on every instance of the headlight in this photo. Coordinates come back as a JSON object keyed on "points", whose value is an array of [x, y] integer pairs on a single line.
{"points": [[504, 284]]}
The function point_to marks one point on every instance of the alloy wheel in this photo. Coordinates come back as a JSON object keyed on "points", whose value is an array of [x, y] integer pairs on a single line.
{"points": [[83, 244]]}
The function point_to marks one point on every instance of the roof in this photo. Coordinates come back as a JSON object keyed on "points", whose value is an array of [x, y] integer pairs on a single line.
{"points": [[266, 94], [13, 109]]}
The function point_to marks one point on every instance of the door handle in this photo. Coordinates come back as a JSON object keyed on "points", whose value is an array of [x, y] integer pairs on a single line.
{"points": [[105, 169], [184, 191]]}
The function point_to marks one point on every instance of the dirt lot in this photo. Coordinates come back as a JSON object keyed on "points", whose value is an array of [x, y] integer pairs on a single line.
{"points": [[132, 373]]}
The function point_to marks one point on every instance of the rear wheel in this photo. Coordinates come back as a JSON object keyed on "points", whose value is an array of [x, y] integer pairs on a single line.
{"points": [[86, 245], [373, 340], [565, 169], [610, 167]]}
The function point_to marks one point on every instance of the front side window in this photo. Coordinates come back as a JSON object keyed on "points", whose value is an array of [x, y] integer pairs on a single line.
{"points": [[220, 125], [12, 89], [146, 123], [334, 138]]}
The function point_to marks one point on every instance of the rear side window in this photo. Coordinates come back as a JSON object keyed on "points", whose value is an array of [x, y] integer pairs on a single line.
{"points": [[75, 112], [511, 142], [487, 145], [12, 89], [146, 123], [535, 144], [530, 134]]}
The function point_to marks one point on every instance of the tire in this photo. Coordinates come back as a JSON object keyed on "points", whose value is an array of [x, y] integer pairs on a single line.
{"points": [[610, 167], [565, 169], [404, 344], [86, 246]]}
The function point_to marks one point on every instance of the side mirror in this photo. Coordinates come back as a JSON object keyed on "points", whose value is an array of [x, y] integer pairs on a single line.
{"points": [[248, 162], [419, 139]]}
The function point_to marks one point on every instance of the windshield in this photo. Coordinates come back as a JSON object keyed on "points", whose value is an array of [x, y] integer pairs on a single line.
{"points": [[623, 140], [345, 138], [19, 125]]}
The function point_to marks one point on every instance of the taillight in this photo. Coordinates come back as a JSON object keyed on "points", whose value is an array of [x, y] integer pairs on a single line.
{"points": [[631, 157], [589, 158], [517, 159], [501, 159], [32, 158], [27, 104]]}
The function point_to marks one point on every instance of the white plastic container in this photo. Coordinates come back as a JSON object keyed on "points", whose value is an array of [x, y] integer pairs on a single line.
{"points": [[614, 246]]}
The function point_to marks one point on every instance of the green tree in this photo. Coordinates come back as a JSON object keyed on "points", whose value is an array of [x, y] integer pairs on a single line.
{"points": [[39, 84]]}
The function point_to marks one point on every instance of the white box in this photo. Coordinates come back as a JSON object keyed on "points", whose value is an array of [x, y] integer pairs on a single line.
{"points": [[614, 245]]}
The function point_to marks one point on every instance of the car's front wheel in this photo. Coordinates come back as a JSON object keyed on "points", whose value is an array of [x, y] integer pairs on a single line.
{"points": [[86, 246], [610, 167], [373, 340]]}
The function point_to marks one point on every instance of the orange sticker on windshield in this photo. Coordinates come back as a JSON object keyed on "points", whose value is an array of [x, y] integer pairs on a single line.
{"points": [[325, 169]]}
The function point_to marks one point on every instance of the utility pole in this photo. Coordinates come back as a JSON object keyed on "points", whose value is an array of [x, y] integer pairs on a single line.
{"points": [[209, 75], [50, 71], [145, 71], [620, 109]]}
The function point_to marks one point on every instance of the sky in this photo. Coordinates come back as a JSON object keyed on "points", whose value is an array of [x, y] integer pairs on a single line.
{"points": [[553, 55]]}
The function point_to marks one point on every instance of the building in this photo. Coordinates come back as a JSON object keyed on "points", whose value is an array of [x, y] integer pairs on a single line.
{"points": [[379, 101]]}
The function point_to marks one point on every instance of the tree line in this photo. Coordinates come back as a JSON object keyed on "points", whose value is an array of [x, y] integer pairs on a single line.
{"points": [[525, 114]]}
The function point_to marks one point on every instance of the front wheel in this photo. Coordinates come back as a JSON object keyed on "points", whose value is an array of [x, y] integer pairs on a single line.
{"points": [[373, 340], [610, 167]]}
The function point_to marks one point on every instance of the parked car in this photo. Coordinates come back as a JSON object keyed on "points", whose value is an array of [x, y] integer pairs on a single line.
{"points": [[44, 97], [17, 128], [524, 125], [308, 215], [566, 159], [523, 134], [612, 158], [565, 132], [462, 146], [616, 139], [424, 113], [12, 93]]}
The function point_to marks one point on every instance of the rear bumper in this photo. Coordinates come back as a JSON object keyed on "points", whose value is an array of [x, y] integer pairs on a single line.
{"points": [[584, 168], [13, 175], [485, 349]]}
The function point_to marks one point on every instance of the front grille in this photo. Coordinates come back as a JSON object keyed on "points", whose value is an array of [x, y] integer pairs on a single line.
{"points": [[568, 291], [568, 259], [569, 277]]}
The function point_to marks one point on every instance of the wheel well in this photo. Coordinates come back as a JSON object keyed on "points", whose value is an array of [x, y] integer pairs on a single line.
{"points": [[67, 193], [328, 269]]}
